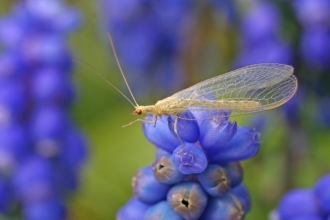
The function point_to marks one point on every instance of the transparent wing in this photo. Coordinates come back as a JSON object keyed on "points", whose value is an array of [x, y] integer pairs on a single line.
{"points": [[265, 86]]}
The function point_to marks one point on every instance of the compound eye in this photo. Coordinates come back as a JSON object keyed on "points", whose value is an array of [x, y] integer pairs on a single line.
{"points": [[139, 111]]}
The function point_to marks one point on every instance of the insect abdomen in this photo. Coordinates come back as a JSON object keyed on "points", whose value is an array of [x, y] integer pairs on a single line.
{"points": [[223, 104]]}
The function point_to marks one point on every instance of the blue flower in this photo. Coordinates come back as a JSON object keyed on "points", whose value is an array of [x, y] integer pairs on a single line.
{"points": [[322, 193], [146, 187], [298, 202], [266, 51], [188, 130], [52, 86], [160, 135], [133, 210], [34, 180], [261, 22], [313, 13], [225, 206], [165, 170], [161, 210], [189, 159], [49, 126], [11, 31], [52, 209], [187, 199], [12, 102], [315, 47], [41, 152], [46, 49], [306, 203], [216, 190], [14, 146], [243, 145], [215, 180], [215, 135], [5, 196], [260, 39], [11, 67]]}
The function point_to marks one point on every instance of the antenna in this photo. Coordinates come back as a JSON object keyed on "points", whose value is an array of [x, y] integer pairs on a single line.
{"points": [[121, 71], [100, 75]]}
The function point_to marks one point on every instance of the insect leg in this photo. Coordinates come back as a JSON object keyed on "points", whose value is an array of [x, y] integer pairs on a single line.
{"points": [[176, 131], [142, 120], [155, 119], [213, 118]]}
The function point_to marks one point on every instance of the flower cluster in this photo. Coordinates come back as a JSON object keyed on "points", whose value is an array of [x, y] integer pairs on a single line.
{"points": [[315, 42], [315, 48], [201, 179], [41, 151], [312, 204], [261, 41]]}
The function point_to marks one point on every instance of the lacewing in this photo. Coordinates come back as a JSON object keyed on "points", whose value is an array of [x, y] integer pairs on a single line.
{"points": [[250, 89]]}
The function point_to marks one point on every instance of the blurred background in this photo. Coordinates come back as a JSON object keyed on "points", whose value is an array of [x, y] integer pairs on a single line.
{"points": [[166, 46]]}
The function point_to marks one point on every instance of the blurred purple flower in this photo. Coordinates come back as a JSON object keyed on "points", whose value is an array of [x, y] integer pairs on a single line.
{"points": [[262, 22], [298, 202], [322, 193], [306, 203], [148, 37], [315, 47], [41, 153], [260, 41], [217, 188], [266, 51], [313, 13]]}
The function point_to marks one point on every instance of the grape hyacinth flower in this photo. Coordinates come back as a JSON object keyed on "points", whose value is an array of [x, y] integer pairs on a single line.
{"points": [[314, 17], [260, 41], [201, 179], [313, 204], [41, 150]]}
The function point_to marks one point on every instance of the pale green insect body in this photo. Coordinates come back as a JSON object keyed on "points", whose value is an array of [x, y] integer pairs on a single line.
{"points": [[173, 106], [250, 89]]}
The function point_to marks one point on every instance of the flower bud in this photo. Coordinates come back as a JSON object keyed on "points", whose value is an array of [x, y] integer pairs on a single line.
{"points": [[160, 135], [187, 199], [235, 172], [161, 210], [215, 180], [226, 207], [298, 202], [188, 130], [215, 135], [322, 193], [134, 209], [189, 159], [166, 172], [146, 188], [243, 145]]}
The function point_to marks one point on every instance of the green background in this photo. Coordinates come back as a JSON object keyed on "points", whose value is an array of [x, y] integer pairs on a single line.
{"points": [[116, 153]]}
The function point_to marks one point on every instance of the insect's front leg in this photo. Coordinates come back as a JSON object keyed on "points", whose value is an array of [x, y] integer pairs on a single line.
{"points": [[154, 119], [213, 118], [176, 130]]}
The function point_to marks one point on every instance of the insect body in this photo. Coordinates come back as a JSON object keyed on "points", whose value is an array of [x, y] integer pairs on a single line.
{"points": [[250, 89], [175, 106]]}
